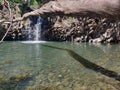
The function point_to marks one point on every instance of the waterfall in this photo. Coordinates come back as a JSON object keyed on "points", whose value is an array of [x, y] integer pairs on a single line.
{"points": [[34, 29], [38, 29]]}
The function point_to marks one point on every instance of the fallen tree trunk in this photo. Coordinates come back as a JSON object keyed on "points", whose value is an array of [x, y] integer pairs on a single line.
{"points": [[91, 8]]}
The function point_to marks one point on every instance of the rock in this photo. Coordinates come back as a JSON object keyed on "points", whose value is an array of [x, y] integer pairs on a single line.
{"points": [[110, 39], [86, 29], [60, 76], [90, 40], [97, 40], [77, 39], [90, 25]]}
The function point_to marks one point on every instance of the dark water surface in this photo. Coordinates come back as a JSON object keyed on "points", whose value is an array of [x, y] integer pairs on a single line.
{"points": [[59, 66]]}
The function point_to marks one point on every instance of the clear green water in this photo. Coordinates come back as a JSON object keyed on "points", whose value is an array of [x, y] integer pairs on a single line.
{"points": [[59, 66]]}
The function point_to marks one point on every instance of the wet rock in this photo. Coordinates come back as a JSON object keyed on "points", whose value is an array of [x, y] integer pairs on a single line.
{"points": [[78, 39], [19, 78], [97, 40], [60, 76], [110, 39]]}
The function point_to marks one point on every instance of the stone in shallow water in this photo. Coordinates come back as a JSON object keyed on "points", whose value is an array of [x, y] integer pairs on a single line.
{"points": [[60, 76]]}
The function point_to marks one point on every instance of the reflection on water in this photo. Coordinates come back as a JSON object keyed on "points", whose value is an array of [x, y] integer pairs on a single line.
{"points": [[59, 66]]}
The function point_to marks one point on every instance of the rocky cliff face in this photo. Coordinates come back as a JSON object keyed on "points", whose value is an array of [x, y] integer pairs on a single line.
{"points": [[84, 29], [75, 29]]}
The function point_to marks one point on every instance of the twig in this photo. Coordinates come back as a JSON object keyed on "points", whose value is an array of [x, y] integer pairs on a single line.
{"points": [[8, 5], [11, 19], [6, 33]]}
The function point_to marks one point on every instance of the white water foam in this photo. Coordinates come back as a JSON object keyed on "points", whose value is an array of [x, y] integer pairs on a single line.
{"points": [[33, 42]]}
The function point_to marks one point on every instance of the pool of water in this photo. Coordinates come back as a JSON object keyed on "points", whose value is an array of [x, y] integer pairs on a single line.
{"points": [[59, 66]]}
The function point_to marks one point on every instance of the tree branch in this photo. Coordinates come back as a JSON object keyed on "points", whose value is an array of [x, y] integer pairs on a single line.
{"points": [[8, 5], [11, 19]]}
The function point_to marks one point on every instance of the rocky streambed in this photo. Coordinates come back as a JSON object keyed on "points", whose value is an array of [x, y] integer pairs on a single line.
{"points": [[58, 66]]}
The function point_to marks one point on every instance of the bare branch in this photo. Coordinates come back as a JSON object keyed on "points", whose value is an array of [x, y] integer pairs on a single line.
{"points": [[11, 19], [8, 5], [6, 33]]}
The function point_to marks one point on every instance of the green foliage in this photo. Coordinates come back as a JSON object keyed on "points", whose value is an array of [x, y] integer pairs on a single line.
{"points": [[30, 2], [24, 4], [41, 2], [34, 3], [0, 2], [16, 1]]}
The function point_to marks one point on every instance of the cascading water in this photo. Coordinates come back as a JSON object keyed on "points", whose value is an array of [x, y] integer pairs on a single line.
{"points": [[34, 31], [38, 29]]}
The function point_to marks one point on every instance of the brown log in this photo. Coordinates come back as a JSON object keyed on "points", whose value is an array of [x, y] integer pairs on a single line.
{"points": [[91, 8]]}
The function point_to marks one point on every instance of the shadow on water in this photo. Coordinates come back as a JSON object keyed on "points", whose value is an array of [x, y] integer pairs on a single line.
{"points": [[90, 65]]}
